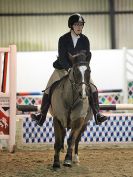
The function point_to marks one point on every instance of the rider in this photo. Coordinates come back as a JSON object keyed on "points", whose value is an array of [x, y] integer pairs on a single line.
{"points": [[71, 42]]}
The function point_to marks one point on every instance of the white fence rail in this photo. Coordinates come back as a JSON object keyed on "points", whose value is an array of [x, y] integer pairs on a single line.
{"points": [[127, 72]]}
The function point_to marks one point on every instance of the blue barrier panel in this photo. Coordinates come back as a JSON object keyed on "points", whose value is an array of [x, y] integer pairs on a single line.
{"points": [[118, 128]]}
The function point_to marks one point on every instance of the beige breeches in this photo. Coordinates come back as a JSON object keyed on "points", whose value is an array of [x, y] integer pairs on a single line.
{"points": [[57, 75]]}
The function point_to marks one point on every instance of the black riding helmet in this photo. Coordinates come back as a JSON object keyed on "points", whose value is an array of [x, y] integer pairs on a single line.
{"points": [[75, 18]]}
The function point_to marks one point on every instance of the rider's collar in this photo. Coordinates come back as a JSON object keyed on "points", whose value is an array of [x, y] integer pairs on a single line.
{"points": [[74, 35]]}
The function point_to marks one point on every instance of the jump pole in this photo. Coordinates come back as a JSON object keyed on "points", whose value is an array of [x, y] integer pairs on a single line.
{"points": [[116, 107], [41, 93], [36, 108]]}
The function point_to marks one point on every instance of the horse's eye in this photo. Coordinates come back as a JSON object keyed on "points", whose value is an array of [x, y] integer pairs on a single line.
{"points": [[77, 74], [87, 71]]}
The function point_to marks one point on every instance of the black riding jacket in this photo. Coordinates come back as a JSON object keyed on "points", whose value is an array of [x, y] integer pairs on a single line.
{"points": [[65, 46]]}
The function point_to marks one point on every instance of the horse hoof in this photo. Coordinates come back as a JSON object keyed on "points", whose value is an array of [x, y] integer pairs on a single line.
{"points": [[76, 159], [67, 163], [56, 165]]}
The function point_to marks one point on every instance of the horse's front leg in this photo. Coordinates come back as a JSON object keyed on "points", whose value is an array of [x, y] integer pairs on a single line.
{"points": [[59, 136], [75, 130], [76, 157]]}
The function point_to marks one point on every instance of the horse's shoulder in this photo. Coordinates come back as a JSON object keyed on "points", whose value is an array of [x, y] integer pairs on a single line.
{"points": [[65, 77], [58, 84]]}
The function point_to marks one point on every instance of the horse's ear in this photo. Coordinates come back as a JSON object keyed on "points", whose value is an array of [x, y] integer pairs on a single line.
{"points": [[83, 51]]}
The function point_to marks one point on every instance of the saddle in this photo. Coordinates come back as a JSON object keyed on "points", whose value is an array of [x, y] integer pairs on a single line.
{"points": [[54, 85]]}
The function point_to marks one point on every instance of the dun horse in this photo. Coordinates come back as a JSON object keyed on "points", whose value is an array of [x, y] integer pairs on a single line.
{"points": [[70, 108]]}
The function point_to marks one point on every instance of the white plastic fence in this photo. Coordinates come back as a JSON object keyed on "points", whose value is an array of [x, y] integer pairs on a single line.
{"points": [[127, 72]]}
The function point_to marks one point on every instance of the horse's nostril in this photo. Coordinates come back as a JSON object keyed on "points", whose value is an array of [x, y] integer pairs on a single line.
{"points": [[80, 94]]}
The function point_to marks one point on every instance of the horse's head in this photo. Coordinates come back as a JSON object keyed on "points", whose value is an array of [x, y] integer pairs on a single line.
{"points": [[81, 73]]}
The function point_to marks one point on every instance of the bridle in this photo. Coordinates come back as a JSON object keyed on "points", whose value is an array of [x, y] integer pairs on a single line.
{"points": [[74, 82]]}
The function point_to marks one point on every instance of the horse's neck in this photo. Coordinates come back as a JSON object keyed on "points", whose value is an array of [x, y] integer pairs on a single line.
{"points": [[70, 93], [68, 89]]}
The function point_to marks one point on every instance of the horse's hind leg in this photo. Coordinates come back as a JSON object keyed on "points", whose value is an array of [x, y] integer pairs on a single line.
{"points": [[59, 134], [76, 128]]}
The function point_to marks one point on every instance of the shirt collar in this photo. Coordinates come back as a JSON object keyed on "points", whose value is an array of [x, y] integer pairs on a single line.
{"points": [[74, 36]]}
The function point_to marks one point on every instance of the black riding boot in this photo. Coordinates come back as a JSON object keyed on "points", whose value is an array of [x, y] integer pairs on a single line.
{"points": [[41, 117], [99, 118]]}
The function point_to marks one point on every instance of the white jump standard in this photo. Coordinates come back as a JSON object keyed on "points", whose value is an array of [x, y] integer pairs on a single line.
{"points": [[8, 100]]}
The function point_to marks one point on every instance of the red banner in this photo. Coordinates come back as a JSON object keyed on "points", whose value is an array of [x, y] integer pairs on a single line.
{"points": [[4, 122]]}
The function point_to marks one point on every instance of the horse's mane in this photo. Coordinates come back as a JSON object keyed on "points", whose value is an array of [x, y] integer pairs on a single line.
{"points": [[80, 57]]}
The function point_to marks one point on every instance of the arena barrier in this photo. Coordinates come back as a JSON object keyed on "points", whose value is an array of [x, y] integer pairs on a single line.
{"points": [[8, 97], [118, 129]]}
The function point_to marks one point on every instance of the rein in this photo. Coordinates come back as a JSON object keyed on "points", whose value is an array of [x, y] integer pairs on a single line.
{"points": [[75, 87], [78, 84]]}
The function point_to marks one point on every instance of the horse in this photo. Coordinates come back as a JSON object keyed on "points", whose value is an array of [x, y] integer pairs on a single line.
{"points": [[70, 108]]}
